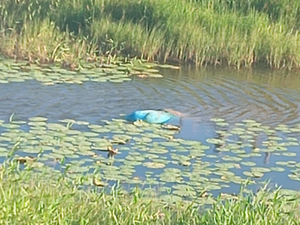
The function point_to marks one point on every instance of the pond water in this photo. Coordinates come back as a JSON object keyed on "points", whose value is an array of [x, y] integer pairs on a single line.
{"points": [[236, 115]]}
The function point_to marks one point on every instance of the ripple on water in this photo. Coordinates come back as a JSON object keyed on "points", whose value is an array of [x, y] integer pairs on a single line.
{"points": [[267, 97]]}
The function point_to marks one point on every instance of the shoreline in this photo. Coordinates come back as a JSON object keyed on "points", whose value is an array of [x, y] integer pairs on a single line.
{"points": [[51, 198], [237, 35]]}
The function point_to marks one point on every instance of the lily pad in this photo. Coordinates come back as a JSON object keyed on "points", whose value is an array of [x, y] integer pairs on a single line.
{"points": [[154, 165]]}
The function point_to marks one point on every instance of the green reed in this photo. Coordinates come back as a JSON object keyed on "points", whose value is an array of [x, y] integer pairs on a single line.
{"points": [[217, 32], [46, 196]]}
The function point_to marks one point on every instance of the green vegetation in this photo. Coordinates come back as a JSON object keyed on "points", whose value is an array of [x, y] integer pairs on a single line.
{"points": [[118, 71], [226, 32], [27, 197], [150, 155]]}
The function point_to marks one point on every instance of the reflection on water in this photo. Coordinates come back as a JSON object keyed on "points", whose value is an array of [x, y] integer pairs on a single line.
{"points": [[268, 97]]}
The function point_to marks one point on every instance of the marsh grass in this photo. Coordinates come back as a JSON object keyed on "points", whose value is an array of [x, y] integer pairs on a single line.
{"points": [[217, 32], [47, 197]]}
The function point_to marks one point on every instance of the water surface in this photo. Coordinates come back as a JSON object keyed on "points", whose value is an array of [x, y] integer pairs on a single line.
{"points": [[269, 97]]}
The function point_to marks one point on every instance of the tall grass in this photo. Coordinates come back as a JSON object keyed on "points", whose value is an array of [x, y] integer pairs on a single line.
{"points": [[218, 32], [47, 197]]}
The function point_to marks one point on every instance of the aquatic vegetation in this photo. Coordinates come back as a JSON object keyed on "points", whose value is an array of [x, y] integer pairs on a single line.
{"points": [[28, 197], [150, 155], [202, 32], [117, 72]]}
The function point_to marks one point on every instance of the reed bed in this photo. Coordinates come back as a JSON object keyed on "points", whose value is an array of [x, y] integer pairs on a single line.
{"points": [[47, 197], [203, 32]]}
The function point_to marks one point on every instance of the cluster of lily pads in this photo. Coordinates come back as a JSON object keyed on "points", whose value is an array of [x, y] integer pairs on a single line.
{"points": [[150, 155], [120, 71]]}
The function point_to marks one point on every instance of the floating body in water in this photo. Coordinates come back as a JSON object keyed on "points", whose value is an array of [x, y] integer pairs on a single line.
{"points": [[153, 116]]}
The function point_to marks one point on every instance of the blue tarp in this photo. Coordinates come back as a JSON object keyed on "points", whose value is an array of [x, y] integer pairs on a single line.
{"points": [[150, 116]]}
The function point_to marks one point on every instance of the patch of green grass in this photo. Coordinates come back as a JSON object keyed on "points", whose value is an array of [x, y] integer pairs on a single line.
{"points": [[47, 197], [217, 32]]}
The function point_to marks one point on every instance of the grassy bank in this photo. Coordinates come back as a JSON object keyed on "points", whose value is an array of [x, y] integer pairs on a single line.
{"points": [[218, 32], [28, 197]]}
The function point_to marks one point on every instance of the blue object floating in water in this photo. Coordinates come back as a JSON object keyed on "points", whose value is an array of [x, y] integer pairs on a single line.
{"points": [[151, 116]]}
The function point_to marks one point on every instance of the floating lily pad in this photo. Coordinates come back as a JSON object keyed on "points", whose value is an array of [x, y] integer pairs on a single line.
{"points": [[277, 169], [154, 165], [215, 141], [38, 119], [217, 119], [248, 163]]}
